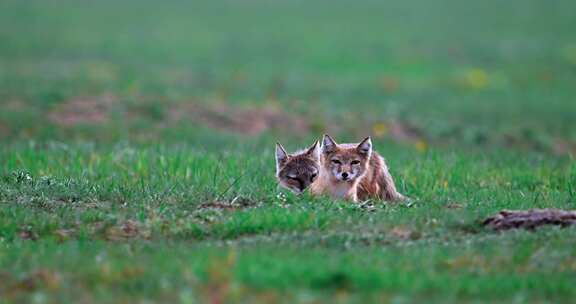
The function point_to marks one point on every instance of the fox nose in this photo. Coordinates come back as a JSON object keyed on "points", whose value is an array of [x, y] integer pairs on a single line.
{"points": [[344, 175]]}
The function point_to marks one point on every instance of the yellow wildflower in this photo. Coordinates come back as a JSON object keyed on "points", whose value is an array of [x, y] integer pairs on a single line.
{"points": [[421, 146], [379, 129], [476, 78]]}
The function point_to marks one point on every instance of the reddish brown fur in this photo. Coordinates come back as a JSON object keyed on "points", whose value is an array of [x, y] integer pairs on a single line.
{"points": [[377, 183], [370, 178]]}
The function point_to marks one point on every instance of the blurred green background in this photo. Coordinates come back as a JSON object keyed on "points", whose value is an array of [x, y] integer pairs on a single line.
{"points": [[444, 72]]}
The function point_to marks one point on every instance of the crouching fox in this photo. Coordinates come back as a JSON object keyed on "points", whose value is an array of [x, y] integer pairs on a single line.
{"points": [[354, 172], [346, 171]]}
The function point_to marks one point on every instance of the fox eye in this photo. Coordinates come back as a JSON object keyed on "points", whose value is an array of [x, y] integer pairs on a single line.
{"points": [[335, 161], [355, 162], [313, 176]]}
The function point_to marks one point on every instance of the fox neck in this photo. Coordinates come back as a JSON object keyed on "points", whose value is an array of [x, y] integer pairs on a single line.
{"points": [[342, 189]]}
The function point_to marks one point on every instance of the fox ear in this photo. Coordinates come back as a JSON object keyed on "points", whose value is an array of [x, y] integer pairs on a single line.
{"points": [[313, 150], [365, 147], [328, 144], [281, 156]]}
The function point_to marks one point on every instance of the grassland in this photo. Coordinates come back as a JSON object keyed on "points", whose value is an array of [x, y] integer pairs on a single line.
{"points": [[136, 150]]}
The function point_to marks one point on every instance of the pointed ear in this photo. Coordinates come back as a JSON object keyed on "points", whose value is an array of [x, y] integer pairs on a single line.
{"points": [[328, 144], [281, 156], [365, 147], [313, 151]]}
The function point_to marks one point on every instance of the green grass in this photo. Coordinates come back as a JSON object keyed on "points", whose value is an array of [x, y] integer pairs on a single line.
{"points": [[130, 203], [63, 209]]}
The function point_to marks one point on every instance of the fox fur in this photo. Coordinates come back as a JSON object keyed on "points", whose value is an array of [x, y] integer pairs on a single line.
{"points": [[354, 172], [297, 171]]}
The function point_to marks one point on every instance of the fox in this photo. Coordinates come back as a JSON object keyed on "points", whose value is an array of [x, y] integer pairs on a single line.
{"points": [[297, 171], [354, 172]]}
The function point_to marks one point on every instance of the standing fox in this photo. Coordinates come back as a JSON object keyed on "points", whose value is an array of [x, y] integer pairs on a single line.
{"points": [[354, 172]]}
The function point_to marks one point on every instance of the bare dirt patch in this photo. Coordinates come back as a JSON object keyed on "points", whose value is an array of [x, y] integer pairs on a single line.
{"points": [[243, 120], [14, 105], [128, 229], [82, 110], [404, 233], [404, 131], [28, 234], [4, 129], [530, 219], [563, 146], [398, 130], [41, 279], [235, 204], [252, 120]]}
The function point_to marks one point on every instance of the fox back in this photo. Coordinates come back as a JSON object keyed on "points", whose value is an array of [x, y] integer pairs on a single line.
{"points": [[378, 182], [297, 171]]}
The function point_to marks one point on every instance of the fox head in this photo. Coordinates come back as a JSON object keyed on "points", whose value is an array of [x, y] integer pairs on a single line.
{"points": [[299, 170], [346, 162]]}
